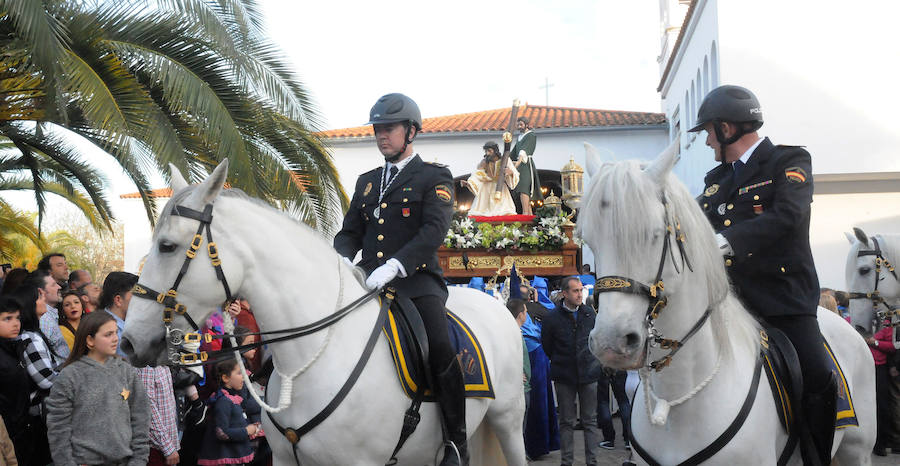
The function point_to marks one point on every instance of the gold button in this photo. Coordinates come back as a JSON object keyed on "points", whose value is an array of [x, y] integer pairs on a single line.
{"points": [[405, 200], [363, 205], [379, 255], [383, 205], [380, 221], [782, 270], [705, 205], [380, 237], [749, 254], [728, 262], [730, 206], [756, 197], [423, 266], [727, 222]]}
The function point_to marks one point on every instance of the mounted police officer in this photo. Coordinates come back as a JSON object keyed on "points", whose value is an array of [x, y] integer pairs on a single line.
{"points": [[399, 216], [758, 201]]}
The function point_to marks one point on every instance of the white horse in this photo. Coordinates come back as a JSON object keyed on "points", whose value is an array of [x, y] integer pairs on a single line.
{"points": [[871, 280], [293, 277], [681, 409]]}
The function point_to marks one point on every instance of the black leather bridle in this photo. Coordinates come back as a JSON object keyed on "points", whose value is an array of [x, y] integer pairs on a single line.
{"points": [[655, 293], [176, 338], [874, 295]]}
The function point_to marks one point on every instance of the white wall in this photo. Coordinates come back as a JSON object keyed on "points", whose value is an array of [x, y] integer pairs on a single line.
{"points": [[824, 81]]}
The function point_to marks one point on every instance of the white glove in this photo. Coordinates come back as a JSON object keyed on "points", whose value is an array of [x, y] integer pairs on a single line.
{"points": [[724, 245], [384, 274], [348, 262]]}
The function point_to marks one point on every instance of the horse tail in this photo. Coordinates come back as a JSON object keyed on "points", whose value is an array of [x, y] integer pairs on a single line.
{"points": [[484, 447]]}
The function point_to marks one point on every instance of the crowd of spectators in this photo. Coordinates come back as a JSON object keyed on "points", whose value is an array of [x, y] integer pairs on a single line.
{"points": [[69, 395]]}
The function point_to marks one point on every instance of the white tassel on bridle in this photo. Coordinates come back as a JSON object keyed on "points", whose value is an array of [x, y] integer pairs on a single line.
{"points": [[660, 411]]}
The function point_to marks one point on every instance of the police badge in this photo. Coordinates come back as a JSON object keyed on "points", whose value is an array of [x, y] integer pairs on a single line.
{"points": [[368, 188], [711, 190]]}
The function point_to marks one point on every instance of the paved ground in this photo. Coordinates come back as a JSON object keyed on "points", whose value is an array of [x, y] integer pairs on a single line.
{"points": [[619, 454]]}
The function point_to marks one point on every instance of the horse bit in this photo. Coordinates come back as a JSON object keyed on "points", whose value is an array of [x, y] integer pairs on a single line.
{"points": [[875, 296], [655, 294]]}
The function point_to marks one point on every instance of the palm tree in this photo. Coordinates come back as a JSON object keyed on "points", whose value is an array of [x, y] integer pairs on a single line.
{"points": [[154, 82]]}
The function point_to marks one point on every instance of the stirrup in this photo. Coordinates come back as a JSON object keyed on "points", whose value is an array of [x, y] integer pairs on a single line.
{"points": [[445, 444]]}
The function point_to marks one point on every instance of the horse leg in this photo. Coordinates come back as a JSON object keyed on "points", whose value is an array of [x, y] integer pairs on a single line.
{"points": [[504, 419]]}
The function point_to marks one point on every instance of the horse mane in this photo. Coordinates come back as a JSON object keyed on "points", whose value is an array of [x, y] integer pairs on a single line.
{"points": [[625, 193], [235, 193]]}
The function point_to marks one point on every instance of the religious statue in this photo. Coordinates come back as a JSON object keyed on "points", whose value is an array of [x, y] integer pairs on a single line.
{"points": [[489, 202]]}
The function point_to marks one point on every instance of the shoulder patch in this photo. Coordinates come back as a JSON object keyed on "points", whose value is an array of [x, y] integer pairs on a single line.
{"points": [[795, 175], [443, 192]]}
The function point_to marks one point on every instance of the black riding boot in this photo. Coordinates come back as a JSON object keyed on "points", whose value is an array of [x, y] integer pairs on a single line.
{"points": [[451, 398], [820, 409]]}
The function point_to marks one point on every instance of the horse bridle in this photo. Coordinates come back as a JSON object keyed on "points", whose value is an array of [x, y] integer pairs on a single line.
{"points": [[874, 295], [176, 338], [655, 294]]}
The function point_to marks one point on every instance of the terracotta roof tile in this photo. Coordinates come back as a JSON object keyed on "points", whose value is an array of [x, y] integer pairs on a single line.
{"points": [[540, 117]]}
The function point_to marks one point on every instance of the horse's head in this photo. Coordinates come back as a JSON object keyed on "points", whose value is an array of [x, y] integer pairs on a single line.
{"points": [[644, 227], [199, 289], [871, 280]]}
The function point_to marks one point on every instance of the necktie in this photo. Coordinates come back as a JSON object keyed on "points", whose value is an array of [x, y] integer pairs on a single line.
{"points": [[736, 166], [390, 174]]}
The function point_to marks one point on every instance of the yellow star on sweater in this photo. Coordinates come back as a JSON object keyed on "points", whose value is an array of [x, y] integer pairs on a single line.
{"points": [[125, 394]]}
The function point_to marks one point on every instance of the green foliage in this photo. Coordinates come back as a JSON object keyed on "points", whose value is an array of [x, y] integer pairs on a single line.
{"points": [[158, 82]]}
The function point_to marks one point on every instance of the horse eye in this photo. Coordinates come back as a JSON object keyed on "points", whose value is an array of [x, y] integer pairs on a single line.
{"points": [[864, 270], [166, 246]]}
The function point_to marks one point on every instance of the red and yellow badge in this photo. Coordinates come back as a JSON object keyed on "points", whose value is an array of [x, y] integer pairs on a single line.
{"points": [[795, 175], [443, 192]]}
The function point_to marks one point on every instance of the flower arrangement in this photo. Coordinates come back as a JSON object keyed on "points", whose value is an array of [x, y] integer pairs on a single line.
{"points": [[544, 233]]}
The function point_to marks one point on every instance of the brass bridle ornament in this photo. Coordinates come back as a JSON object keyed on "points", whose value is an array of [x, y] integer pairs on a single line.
{"points": [[874, 296], [655, 294]]}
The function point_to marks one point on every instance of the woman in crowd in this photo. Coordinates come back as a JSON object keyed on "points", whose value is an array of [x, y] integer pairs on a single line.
{"points": [[98, 410], [71, 312], [227, 440], [882, 348]]}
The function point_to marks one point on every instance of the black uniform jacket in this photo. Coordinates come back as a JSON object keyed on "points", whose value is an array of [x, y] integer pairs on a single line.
{"points": [[565, 341], [764, 214], [413, 222]]}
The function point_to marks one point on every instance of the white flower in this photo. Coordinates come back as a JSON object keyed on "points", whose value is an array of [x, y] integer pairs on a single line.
{"points": [[503, 243], [466, 223]]}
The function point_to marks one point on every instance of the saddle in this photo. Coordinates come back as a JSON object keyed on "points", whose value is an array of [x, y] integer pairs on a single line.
{"points": [[405, 333]]}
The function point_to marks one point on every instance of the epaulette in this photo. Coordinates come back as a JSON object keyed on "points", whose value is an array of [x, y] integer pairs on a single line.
{"points": [[436, 164], [370, 171]]}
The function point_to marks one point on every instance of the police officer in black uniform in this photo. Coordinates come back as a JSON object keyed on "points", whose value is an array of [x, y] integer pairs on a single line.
{"points": [[758, 201], [399, 216]]}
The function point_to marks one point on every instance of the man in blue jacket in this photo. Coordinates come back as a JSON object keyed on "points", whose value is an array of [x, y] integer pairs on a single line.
{"points": [[573, 368]]}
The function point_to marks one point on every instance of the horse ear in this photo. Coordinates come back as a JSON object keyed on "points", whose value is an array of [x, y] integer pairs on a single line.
{"points": [[850, 237], [592, 159], [861, 236], [213, 185], [663, 164], [176, 181]]}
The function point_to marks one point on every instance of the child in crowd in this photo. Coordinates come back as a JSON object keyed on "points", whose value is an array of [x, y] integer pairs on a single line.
{"points": [[228, 435], [14, 390], [98, 410]]}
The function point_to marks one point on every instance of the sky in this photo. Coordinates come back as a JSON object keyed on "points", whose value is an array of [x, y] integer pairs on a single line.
{"points": [[467, 56], [454, 57]]}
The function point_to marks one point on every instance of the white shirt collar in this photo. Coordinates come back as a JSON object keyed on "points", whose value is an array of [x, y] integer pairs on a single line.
{"points": [[746, 155], [403, 163]]}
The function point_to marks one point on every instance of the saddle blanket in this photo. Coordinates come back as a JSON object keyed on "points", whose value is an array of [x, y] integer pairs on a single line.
{"points": [[468, 351], [846, 414]]}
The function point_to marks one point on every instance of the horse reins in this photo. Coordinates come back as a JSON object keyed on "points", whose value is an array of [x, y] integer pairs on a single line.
{"points": [[655, 294], [874, 295]]}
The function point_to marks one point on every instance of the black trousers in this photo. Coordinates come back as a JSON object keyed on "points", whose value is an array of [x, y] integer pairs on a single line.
{"points": [[883, 405], [434, 315], [803, 331]]}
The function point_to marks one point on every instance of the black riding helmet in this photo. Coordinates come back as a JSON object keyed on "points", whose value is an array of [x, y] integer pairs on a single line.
{"points": [[396, 108], [732, 104]]}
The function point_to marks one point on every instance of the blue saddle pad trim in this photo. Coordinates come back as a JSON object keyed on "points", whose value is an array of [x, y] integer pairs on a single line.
{"points": [[846, 414], [468, 351]]}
